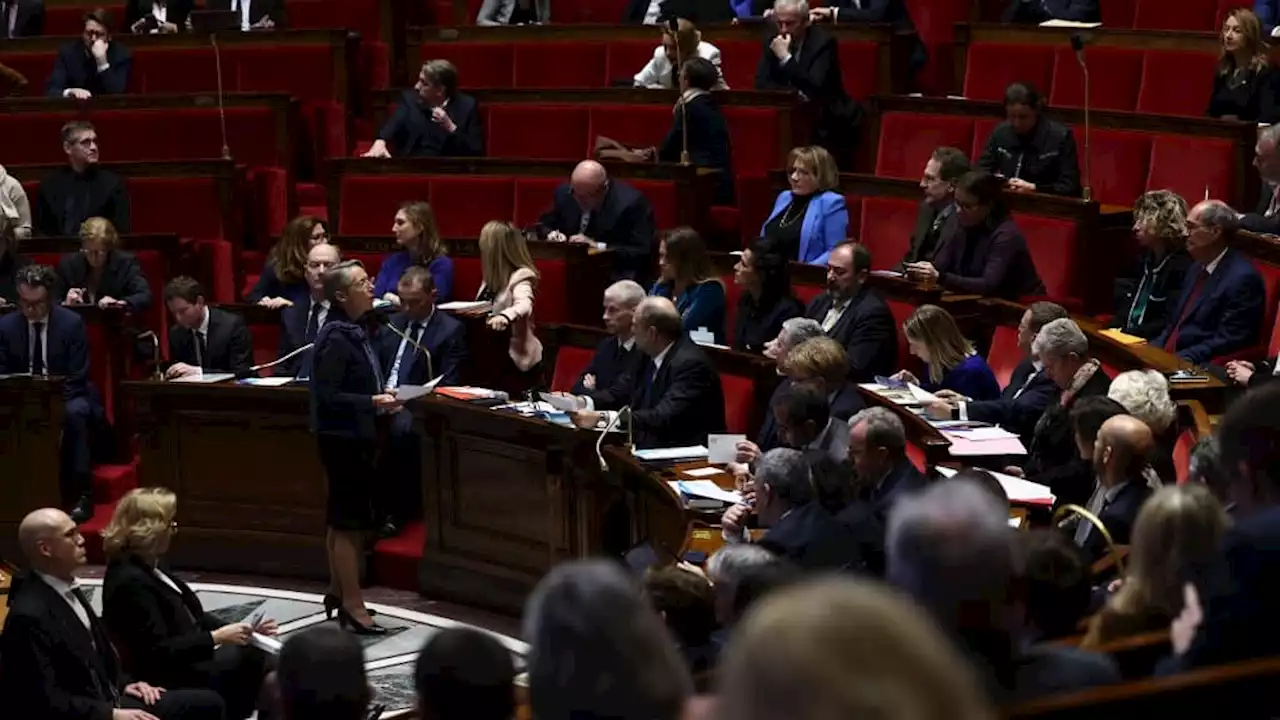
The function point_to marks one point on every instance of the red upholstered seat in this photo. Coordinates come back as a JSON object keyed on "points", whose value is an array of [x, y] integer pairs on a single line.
{"points": [[806, 293], [487, 65], [1182, 447], [1120, 163], [39, 132], [266, 342], [304, 71], [570, 362], [464, 204], [739, 58], [732, 294], [36, 67], [1118, 13], [859, 67], [750, 130], [628, 57], [908, 139], [1224, 7], [467, 277], [188, 206], [534, 196], [1004, 355], [901, 311], [662, 198], [396, 559], [1114, 80], [67, 19], [369, 204], [552, 303], [1052, 243], [982, 129], [372, 261], [887, 224], [560, 65], [1184, 15], [739, 404], [755, 200], [549, 132], [189, 134], [1176, 82], [179, 70], [362, 16], [631, 125], [991, 67], [1191, 165], [1273, 347]]}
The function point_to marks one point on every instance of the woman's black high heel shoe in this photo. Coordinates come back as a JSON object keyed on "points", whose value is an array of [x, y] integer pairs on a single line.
{"points": [[347, 622], [332, 603]]}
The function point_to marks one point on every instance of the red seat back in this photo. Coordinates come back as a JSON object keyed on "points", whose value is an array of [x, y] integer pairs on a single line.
{"points": [[1185, 15], [662, 198], [464, 204], [570, 362], [1120, 163], [1193, 166], [560, 65], [628, 57], [534, 196], [1115, 87], [369, 203], [1004, 355], [907, 140], [631, 125], [188, 206], [467, 277], [738, 60], [752, 133], [739, 403], [887, 224], [486, 65], [552, 302], [859, 68], [991, 67], [1176, 82], [1052, 243], [551, 132]]}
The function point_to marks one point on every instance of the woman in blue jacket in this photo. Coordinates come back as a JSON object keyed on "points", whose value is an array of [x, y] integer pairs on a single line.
{"points": [[688, 280], [951, 362], [415, 231], [811, 218]]}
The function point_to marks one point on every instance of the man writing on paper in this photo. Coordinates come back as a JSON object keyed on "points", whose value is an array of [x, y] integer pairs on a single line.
{"points": [[300, 322], [676, 399], [204, 338]]}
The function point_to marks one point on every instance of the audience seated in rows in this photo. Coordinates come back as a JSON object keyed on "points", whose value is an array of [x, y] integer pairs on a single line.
{"points": [[810, 219], [1245, 84], [1058, 585], [465, 674], [101, 273], [93, 65], [1023, 401], [856, 315], [416, 231], [594, 209], [951, 362], [685, 277], [513, 12], [283, 281], [15, 208], [686, 603], [204, 339], [766, 301], [1030, 152], [945, 168], [81, 189], [301, 320], [433, 119], [1145, 295], [683, 45]]}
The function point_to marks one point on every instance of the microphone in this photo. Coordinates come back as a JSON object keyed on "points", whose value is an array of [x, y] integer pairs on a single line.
{"points": [[155, 354], [1077, 44], [673, 26], [222, 110], [626, 410], [430, 370], [277, 361]]}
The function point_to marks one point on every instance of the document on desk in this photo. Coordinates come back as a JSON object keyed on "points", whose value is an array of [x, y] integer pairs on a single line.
{"points": [[723, 448], [465, 306], [920, 395], [405, 393], [705, 489], [692, 452], [273, 381], [563, 403], [964, 446], [205, 378], [1019, 490], [265, 643]]}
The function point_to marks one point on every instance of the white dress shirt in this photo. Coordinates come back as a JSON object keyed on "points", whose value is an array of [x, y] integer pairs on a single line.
{"points": [[1214, 263], [203, 339], [160, 11], [63, 588], [393, 378], [609, 415], [652, 12], [244, 14], [834, 314], [44, 346]]}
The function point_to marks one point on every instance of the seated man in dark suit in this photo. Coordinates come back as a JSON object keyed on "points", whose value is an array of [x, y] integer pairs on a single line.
{"points": [[101, 274], [1221, 306], [59, 662], [92, 65], [806, 59], [1029, 392], [800, 529], [150, 17], [72, 194], [878, 450], [420, 345], [616, 355], [945, 167], [676, 399], [433, 119], [255, 14], [1265, 219], [856, 315], [44, 339], [1120, 461], [204, 339], [592, 208], [1034, 12], [21, 18], [300, 322]]}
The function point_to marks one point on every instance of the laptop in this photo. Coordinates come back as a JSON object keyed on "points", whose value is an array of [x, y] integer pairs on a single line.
{"points": [[207, 22]]}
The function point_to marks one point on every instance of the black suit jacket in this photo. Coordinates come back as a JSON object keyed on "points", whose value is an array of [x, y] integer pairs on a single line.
{"points": [[816, 73], [228, 345], [29, 22], [697, 11], [1163, 282], [1017, 414], [624, 222], [1053, 458], [709, 144], [683, 404], [1036, 13], [444, 337], [67, 351], [1118, 516], [924, 239], [892, 12], [163, 633], [410, 131], [904, 478], [122, 279], [344, 381], [845, 403], [55, 668], [293, 335], [814, 540], [274, 9], [1257, 221], [75, 68], [752, 328], [102, 194], [176, 12], [866, 329], [609, 364]]}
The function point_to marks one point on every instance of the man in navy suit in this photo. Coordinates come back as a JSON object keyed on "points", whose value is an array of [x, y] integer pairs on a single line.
{"points": [[44, 339], [92, 65], [856, 315], [616, 355], [404, 362], [592, 208], [433, 119], [1120, 459], [1029, 392], [300, 322], [878, 450], [1221, 306]]}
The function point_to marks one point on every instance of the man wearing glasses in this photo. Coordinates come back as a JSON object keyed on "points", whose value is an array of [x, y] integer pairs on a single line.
{"points": [[80, 190]]}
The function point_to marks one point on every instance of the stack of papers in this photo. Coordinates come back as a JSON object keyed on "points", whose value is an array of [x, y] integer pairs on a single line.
{"points": [[405, 393], [273, 381], [906, 395], [984, 441], [465, 306], [1018, 489], [563, 403], [693, 452], [705, 489], [205, 378]]}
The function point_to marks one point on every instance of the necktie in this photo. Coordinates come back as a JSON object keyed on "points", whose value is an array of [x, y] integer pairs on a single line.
{"points": [[37, 349], [1171, 345], [77, 593], [646, 383], [313, 323], [406, 362], [1096, 503], [200, 349]]}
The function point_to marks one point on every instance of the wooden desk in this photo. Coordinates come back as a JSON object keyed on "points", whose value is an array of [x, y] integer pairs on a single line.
{"points": [[1007, 34], [31, 412]]}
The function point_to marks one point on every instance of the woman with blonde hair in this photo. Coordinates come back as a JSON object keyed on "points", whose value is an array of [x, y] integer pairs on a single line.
{"points": [[101, 273], [686, 43], [1244, 88], [687, 279], [810, 219], [415, 230], [283, 281], [1176, 534], [158, 621], [1145, 296], [510, 281], [952, 363]]}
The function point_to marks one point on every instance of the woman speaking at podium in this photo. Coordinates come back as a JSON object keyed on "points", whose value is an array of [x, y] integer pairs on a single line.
{"points": [[347, 399]]}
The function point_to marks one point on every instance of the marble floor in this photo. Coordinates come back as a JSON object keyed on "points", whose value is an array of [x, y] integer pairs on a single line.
{"points": [[388, 659]]}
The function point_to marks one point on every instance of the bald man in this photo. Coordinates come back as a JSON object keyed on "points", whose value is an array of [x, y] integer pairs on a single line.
{"points": [[1221, 306], [58, 661], [300, 321], [675, 398], [1120, 459], [593, 208]]}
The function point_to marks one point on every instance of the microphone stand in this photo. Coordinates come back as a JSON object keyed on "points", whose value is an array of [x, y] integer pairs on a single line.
{"points": [[222, 110], [674, 26], [1077, 44], [431, 373]]}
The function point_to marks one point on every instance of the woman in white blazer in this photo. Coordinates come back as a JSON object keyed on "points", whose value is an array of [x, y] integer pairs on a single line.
{"points": [[510, 280], [514, 12], [659, 72]]}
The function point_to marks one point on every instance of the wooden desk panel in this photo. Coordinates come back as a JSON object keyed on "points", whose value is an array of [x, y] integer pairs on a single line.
{"points": [[31, 412]]}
